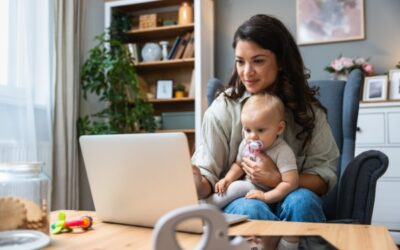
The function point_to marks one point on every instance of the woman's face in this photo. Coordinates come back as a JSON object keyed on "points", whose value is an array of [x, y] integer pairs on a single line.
{"points": [[257, 67]]}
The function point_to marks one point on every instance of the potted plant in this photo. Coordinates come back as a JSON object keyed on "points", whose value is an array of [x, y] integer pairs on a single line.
{"points": [[180, 91], [110, 73]]}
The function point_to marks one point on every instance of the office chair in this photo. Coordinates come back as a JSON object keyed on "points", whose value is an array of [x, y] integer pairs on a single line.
{"points": [[352, 199]]}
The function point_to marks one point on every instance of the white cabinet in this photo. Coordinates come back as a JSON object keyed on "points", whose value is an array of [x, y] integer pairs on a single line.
{"points": [[379, 129]]}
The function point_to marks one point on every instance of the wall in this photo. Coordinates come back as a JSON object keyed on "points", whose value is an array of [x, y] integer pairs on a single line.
{"points": [[382, 43]]}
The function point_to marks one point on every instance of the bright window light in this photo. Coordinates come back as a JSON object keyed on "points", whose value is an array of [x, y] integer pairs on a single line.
{"points": [[4, 11]]}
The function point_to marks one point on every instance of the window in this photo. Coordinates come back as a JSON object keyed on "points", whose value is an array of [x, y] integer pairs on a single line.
{"points": [[4, 6], [26, 49]]}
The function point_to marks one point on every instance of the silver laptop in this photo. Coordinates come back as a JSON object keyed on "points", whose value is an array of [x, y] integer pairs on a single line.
{"points": [[137, 178]]}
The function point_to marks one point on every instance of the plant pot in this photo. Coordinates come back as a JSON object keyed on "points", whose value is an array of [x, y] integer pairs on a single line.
{"points": [[179, 94]]}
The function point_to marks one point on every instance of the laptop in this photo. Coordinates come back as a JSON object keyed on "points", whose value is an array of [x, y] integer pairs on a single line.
{"points": [[137, 178]]}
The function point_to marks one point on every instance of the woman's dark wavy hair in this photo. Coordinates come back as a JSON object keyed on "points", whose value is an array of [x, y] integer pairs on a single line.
{"points": [[291, 84]]}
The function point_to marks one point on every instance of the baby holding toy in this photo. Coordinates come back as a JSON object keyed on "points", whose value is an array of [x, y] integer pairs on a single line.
{"points": [[262, 119]]}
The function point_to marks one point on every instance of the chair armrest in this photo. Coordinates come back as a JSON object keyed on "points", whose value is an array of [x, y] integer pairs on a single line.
{"points": [[356, 194]]}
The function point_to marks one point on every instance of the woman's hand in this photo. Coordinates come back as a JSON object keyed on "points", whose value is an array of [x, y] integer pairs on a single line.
{"points": [[203, 187], [263, 171]]}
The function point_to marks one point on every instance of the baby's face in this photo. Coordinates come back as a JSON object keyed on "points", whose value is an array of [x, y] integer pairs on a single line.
{"points": [[261, 126]]}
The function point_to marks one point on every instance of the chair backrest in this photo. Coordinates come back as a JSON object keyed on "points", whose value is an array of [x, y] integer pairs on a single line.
{"points": [[213, 86], [341, 99]]}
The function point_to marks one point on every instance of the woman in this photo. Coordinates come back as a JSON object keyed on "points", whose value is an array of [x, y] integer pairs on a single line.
{"points": [[267, 59]]}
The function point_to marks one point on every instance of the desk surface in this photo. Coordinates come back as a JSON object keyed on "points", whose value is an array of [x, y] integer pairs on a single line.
{"points": [[114, 236]]}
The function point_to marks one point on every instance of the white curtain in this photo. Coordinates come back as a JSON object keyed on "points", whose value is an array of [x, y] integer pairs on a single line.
{"points": [[68, 15], [26, 52]]}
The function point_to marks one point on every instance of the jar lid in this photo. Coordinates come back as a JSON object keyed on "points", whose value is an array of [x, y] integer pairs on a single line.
{"points": [[21, 167]]}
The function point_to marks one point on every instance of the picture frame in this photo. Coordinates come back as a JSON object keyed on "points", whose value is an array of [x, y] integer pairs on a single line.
{"points": [[329, 21], [375, 88], [394, 83], [164, 89]]}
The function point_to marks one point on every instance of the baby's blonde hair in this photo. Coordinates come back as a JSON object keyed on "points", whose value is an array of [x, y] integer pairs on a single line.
{"points": [[266, 103]]}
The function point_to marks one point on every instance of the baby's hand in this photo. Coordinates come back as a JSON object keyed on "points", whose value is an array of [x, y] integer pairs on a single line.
{"points": [[255, 194], [221, 186]]}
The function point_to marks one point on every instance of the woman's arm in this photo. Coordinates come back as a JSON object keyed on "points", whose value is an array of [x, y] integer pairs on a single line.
{"points": [[313, 182], [321, 155], [221, 135], [203, 187]]}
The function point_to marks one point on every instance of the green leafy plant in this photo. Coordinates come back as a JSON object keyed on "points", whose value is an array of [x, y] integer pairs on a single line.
{"points": [[180, 87], [121, 23], [110, 74]]}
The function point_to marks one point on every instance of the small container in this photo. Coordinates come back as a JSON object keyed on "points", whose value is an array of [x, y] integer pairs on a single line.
{"points": [[185, 14], [24, 197]]}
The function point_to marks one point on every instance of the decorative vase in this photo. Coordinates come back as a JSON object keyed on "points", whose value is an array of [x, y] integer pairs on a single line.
{"points": [[164, 48], [151, 52], [185, 14], [340, 76]]}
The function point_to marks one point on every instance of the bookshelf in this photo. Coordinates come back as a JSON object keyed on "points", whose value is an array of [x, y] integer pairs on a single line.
{"points": [[179, 70]]}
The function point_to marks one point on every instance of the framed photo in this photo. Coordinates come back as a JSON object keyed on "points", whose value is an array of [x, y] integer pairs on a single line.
{"points": [[164, 89], [375, 88], [394, 80], [329, 21]]}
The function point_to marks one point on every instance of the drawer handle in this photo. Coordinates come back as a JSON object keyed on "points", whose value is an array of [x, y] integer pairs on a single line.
{"points": [[358, 129]]}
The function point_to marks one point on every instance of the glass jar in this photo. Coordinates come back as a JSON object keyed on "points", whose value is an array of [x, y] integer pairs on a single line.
{"points": [[24, 197]]}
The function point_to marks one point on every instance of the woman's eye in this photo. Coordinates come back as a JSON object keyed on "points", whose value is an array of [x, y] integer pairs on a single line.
{"points": [[258, 61], [239, 62]]}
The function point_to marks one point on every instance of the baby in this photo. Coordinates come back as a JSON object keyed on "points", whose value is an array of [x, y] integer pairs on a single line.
{"points": [[263, 122]]}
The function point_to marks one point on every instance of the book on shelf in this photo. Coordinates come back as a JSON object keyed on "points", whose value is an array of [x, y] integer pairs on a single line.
{"points": [[182, 45], [189, 50], [134, 52], [172, 51]]}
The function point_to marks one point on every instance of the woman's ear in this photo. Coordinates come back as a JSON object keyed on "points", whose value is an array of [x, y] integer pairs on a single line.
{"points": [[281, 127]]}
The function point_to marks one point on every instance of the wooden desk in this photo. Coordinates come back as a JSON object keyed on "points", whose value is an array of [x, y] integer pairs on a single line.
{"points": [[114, 236]]}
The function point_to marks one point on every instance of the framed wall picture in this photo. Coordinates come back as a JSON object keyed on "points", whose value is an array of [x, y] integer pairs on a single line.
{"points": [[394, 83], [329, 21], [164, 89], [375, 88]]}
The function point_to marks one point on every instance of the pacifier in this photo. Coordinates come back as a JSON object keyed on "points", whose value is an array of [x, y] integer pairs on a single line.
{"points": [[254, 148]]}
